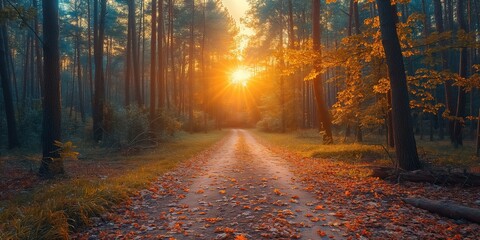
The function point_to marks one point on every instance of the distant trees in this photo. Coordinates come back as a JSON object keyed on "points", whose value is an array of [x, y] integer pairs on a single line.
{"points": [[13, 141]]}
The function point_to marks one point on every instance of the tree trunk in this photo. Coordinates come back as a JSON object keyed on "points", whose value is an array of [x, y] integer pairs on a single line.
{"points": [[134, 51], [153, 58], [161, 58], [463, 68], [98, 121], [390, 134], [405, 146], [204, 78], [449, 102], [51, 164], [6, 86], [324, 119], [89, 58], [38, 55], [191, 65]]}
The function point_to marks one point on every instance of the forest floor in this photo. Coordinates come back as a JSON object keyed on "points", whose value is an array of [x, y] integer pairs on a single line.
{"points": [[246, 187]]}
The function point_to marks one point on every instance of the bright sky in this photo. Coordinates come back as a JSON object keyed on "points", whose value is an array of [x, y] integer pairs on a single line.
{"points": [[236, 8]]}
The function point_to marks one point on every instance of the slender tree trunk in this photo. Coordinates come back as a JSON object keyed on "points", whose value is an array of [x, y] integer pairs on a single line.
{"points": [[405, 145], [191, 66], [79, 72], [51, 164], [204, 78], [134, 51], [89, 58], [161, 58], [38, 54], [98, 115], [325, 122], [128, 63], [153, 58], [449, 102], [463, 68]]}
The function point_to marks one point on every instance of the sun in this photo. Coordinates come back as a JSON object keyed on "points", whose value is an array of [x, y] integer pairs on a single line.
{"points": [[240, 76]]}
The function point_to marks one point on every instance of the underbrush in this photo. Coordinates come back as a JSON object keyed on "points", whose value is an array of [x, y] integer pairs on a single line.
{"points": [[57, 207]]}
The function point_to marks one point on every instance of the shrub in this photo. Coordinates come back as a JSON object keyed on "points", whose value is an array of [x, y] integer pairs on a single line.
{"points": [[123, 126], [270, 124]]}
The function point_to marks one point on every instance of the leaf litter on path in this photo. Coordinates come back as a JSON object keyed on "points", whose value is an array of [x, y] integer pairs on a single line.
{"points": [[241, 189]]}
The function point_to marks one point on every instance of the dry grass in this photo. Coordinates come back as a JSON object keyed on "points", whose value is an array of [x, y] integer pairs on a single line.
{"points": [[96, 182]]}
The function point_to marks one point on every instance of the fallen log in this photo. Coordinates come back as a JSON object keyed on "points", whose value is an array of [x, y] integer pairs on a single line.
{"points": [[446, 209]]}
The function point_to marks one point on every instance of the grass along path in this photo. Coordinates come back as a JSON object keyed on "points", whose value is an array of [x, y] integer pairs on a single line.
{"points": [[55, 208], [373, 151]]}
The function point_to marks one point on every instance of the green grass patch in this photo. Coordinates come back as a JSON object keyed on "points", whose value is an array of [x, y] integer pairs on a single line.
{"points": [[374, 151], [57, 207], [310, 145]]}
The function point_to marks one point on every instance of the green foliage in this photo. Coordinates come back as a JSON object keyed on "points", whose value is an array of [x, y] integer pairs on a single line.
{"points": [[166, 122], [270, 124]]}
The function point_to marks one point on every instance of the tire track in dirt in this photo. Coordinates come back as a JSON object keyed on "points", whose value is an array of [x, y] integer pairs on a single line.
{"points": [[237, 189]]}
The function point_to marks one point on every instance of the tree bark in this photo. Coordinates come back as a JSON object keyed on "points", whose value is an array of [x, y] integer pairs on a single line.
{"points": [[191, 65], [324, 119], [51, 164], [405, 145], [161, 58], [134, 51], [99, 99], [462, 72], [153, 58]]}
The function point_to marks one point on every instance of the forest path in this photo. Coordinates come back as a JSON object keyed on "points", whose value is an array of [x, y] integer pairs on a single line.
{"points": [[238, 188]]}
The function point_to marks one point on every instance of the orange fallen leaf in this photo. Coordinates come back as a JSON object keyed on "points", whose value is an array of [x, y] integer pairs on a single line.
{"points": [[241, 237], [339, 214], [200, 191], [276, 191], [321, 233], [222, 192], [319, 207], [315, 219], [213, 220]]}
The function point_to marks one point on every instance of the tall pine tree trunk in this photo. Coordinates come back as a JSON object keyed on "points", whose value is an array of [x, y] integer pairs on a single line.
{"points": [[51, 164], [191, 66], [463, 68], [99, 98], [153, 58]]}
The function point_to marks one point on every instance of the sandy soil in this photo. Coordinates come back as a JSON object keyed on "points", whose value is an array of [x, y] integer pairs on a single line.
{"points": [[237, 189]]}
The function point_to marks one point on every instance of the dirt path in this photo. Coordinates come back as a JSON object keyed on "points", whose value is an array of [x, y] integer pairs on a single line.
{"points": [[238, 189]]}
